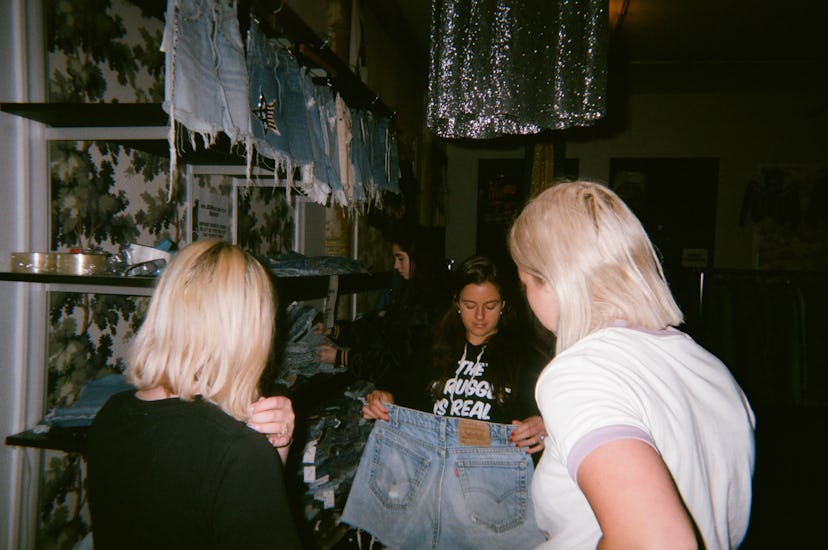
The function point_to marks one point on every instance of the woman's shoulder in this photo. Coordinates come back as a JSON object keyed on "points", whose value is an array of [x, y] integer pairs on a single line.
{"points": [[222, 429], [116, 407]]}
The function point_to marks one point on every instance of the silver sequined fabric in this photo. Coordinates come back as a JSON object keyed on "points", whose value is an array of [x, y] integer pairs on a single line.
{"points": [[513, 67]]}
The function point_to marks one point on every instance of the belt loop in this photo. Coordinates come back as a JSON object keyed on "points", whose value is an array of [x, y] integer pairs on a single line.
{"points": [[394, 415]]}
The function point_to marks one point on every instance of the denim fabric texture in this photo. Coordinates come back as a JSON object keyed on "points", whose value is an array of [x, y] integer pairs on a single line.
{"points": [[293, 81], [267, 98], [322, 118], [359, 154], [424, 482], [384, 156], [206, 73], [334, 437], [393, 160], [90, 399], [293, 264]]}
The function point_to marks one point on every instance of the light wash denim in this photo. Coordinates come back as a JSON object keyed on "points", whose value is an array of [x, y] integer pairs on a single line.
{"points": [[270, 132], [206, 86], [291, 81], [419, 485], [212, 87], [322, 119]]}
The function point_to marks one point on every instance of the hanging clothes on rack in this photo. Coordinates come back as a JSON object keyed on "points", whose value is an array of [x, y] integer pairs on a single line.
{"points": [[206, 83], [268, 101]]}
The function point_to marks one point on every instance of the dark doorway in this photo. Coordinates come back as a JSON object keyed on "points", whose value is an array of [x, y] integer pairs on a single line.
{"points": [[675, 199]]}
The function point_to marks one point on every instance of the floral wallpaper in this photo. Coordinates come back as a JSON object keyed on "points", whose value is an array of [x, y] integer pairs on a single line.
{"points": [[105, 196], [265, 221]]}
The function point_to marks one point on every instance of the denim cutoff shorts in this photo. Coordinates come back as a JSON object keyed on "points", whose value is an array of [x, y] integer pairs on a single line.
{"points": [[297, 106], [427, 481], [206, 73], [266, 97]]}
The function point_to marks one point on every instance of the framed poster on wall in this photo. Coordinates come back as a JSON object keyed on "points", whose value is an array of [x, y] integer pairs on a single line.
{"points": [[787, 209], [502, 190], [504, 187]]}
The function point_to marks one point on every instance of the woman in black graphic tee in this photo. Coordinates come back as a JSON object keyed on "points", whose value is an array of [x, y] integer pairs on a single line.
{"points": [[484, 364]]}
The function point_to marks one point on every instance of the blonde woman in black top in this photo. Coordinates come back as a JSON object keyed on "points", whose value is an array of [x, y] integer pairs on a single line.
{"points": [[177, 463]]}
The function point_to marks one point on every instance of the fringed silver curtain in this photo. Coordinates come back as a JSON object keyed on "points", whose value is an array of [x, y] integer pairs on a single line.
{"points": [[506, 67]]}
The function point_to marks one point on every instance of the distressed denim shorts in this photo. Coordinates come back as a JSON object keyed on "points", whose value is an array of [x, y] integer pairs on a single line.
{"points": [[266, 97], [427, 481], [297, 107], [384, 155], [206, 79]]}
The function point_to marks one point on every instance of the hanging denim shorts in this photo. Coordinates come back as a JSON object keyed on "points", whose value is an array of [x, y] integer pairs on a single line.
{"points": [[266, 97], [206, 80], [384, 155], [297, 105], [427, 481]]}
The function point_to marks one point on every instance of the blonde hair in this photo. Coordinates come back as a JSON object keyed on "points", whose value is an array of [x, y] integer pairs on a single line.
{"points": [[209, 328], [581, 239]]}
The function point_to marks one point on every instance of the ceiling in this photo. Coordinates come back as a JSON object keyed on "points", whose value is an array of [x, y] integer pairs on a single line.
{"points": [[691, 45], [722, 31]]}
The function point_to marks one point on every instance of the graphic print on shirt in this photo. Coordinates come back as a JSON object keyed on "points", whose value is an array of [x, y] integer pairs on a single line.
{"points": [[467, 394]]}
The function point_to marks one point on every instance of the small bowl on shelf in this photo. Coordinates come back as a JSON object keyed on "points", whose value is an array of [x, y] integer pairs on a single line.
{"points": [[64, 263], [33, 262]]}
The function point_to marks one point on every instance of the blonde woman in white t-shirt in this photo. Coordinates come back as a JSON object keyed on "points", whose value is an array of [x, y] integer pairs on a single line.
{"points": [[651, 441]]}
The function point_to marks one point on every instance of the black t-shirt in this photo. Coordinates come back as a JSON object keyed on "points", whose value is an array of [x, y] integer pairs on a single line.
{"points": [[176, 474], [392, 348], [468, 393]]}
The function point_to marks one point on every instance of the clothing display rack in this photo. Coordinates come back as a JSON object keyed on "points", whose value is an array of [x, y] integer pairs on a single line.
{"points": [[278, 20], [767, 327]]}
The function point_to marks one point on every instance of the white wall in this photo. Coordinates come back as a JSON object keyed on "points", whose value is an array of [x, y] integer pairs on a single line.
{"points": [[743, 130], [23, 211]]}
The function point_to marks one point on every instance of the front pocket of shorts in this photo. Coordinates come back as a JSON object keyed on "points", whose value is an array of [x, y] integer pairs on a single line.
{"points": [[495, 491], [397, 473]]}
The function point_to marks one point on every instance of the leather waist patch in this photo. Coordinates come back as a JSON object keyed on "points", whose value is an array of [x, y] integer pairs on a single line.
{"points": [[473, 433]]}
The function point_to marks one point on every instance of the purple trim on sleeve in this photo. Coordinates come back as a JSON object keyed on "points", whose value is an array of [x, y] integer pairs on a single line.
{"points": [[599, 437], [622, 323]]}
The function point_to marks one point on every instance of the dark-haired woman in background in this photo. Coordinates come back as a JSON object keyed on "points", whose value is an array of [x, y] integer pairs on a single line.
{"points": [[447, 465], [388, 347], [484, 365]]}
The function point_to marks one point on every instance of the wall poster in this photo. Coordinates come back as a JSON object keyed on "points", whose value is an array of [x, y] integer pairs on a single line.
{"points": [[787, 206], [502, 190]]}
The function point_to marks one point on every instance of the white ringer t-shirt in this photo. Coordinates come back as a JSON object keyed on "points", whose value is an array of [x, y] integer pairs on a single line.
{"points": [[660, 387]]}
